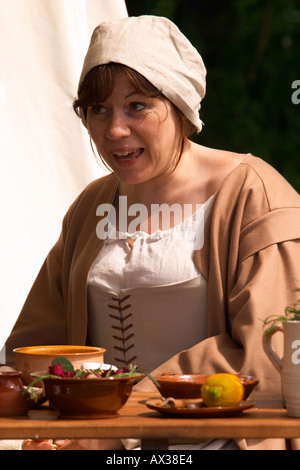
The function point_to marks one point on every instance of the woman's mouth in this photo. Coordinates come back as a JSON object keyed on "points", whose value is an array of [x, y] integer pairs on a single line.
{"points": [[127, 155]]}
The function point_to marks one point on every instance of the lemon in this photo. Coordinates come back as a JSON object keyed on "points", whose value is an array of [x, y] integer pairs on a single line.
{"points": [[222, 390]]}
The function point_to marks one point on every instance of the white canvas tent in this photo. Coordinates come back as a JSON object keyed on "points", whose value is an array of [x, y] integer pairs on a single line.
{"points": [[45, 155]]}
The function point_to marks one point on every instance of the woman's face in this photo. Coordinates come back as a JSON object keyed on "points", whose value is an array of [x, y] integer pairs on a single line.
{"points": [[136, 135]]}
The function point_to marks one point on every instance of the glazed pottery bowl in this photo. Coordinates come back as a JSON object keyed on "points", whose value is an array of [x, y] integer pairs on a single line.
{"points": [[181, 386], [32, 358], [189, 385], [79, 398], [249, 382]]}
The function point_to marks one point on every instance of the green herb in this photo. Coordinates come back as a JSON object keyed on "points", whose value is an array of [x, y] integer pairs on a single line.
{"points": [[66, 365], [292, 313]]}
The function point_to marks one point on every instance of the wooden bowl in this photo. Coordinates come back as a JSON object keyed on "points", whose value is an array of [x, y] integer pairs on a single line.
{"points": [[32, 358], [88, 398], [189, 385]]}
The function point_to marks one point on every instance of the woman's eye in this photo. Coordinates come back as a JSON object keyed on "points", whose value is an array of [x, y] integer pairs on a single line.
{"points": [[137, 106], [98, 109]]}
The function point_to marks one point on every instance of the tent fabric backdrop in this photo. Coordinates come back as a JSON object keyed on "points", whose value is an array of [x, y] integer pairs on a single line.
{"points": [[46, 159]]}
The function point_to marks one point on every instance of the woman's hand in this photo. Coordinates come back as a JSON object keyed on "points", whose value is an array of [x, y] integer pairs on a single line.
{"points": [[37, 444], [73, 444], [91, 444]]}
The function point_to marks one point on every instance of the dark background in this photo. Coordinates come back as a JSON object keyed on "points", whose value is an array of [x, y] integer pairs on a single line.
{"points": [[251, 49]]}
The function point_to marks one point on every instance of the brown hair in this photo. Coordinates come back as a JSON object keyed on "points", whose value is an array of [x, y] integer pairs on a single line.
{"points": [[98, 85]]}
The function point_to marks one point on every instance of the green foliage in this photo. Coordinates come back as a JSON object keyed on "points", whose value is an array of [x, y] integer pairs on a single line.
{"points": [[65, 364], [251, 50], [292, 313]]}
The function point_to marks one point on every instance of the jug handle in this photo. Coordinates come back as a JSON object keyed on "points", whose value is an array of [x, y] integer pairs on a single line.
{"points": [[267, 345]]}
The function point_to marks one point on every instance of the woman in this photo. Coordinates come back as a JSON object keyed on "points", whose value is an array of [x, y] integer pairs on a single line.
{"points": [[197, 245]]}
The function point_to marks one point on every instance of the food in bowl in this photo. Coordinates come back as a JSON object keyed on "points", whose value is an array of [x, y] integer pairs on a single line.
{"points": [[97, 365], [33, 358], [91, 393]]}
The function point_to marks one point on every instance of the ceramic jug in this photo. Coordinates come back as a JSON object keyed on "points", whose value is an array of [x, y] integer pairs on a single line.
{"points": [[13, 402], [289, 365]]}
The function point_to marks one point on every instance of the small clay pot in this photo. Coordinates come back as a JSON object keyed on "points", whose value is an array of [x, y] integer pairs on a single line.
{"points": [[13, 402]]}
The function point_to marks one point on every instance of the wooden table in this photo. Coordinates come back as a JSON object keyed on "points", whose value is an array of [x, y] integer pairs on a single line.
{"points": [[268, 419]]}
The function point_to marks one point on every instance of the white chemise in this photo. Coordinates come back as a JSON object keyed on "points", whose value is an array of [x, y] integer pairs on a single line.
{"points": [[147, 301]]}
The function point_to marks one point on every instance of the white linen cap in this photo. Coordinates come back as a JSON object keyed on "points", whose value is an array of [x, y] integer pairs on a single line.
{"points": [[156, 48]]}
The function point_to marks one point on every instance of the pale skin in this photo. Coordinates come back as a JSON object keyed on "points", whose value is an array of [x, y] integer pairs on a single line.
{"points": [[137, 136], [74, 444], [148, 127]]}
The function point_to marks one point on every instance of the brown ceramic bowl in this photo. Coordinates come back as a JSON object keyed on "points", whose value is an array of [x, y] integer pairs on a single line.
{"points": [[32, 358], [88, 398], [189, 385], [181, 386], [249, 382]]}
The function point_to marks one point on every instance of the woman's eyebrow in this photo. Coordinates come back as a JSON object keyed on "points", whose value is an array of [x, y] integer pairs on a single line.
{"points": [[132, 93]]}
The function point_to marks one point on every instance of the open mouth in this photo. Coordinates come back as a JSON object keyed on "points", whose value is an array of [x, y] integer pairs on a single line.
{"points": [[128, 155]]}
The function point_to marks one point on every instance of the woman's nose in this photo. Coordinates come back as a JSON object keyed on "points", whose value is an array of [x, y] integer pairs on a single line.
{"points": [[117, 127]]}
